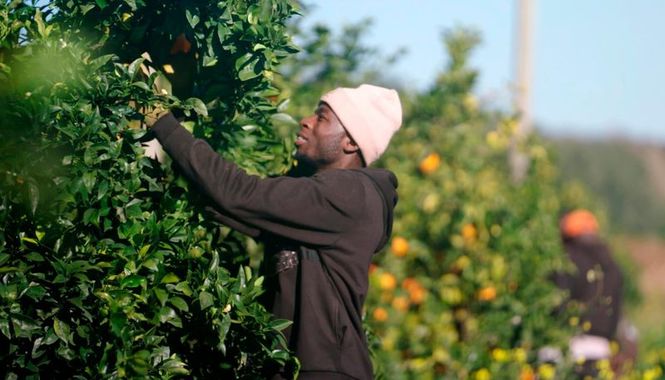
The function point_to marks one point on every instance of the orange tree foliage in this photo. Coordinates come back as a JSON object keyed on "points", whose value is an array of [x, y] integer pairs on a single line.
{"points": [[473, 298], [108, 268]]}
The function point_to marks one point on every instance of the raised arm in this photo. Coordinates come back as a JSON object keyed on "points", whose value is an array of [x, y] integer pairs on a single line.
{"points": [[312, 210]]}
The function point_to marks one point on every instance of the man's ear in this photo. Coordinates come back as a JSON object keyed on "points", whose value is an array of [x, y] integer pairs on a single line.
{"points": [[349, 145]]}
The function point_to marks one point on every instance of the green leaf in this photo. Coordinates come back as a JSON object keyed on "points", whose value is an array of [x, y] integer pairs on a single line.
{"points": [[214, 263], [168, 315], [102, 189], [134, 67], [61, 330], [184, 288], [280, 324], [29, 240], [33, 190], [132, 4], [144, 250], [175, 366], [89, 179], [243, 61], [132, 281], [98, 62], [42, 29], [249, 71], [34, 291], [34, 256], [151, 264], [193, 20], [209, 61], [162, 295], [280, 355], [197, 105], [4, 328], [224, 327], [179, 303], [8, 292], [283, 118], [206, 300], [24, 326], [252, 15], [141, 85], [118, 322], [222, 32], [170, 278]]}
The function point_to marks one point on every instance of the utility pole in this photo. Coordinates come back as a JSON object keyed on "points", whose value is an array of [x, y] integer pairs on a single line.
{"points": [[519, 162]]}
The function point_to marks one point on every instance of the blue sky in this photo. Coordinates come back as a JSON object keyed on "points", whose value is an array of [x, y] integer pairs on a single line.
{"points": [[599, 65]]}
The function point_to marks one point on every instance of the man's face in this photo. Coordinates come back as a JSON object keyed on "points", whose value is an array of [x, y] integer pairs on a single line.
{"points": [[321, 137]]}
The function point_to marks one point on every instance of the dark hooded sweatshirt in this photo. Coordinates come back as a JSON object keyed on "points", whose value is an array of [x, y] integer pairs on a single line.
{"points": [[600, 294], [333, 221]]}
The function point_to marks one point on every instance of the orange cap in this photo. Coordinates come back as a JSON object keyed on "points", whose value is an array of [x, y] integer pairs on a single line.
{"points": [[579, 222]]}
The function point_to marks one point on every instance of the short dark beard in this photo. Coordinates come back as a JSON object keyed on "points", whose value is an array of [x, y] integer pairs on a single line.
{"points": [[305, 167], [331, 150]]}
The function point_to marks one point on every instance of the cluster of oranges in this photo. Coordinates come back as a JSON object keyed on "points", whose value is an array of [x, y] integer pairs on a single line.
{"points": [[416, 294]]}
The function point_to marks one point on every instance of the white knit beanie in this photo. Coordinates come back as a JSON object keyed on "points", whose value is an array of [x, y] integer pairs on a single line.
{"points": [[370, 114]]}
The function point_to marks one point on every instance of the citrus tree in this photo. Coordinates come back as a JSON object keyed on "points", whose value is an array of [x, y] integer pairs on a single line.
{"points": [[108, 268], [463, 290]]}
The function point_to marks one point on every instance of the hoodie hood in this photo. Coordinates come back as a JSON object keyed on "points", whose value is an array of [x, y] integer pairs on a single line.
{"points": [[386, 183]]}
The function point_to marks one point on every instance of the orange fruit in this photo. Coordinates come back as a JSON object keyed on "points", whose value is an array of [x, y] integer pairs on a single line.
{"points": [[399, 246], [410, 283], [430, 163], [401, 303], [387, 281], [418, 295], [380, 314], [487, 293], [527, 374], [469, 232], [372, 268]]}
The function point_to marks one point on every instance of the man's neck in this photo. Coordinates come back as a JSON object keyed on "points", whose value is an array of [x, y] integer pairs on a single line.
{"points": [[346, 162], [330, 167], [304, 168]]}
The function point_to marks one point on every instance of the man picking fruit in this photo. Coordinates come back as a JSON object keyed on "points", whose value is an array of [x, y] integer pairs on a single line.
{"points": [[321, 230]]}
